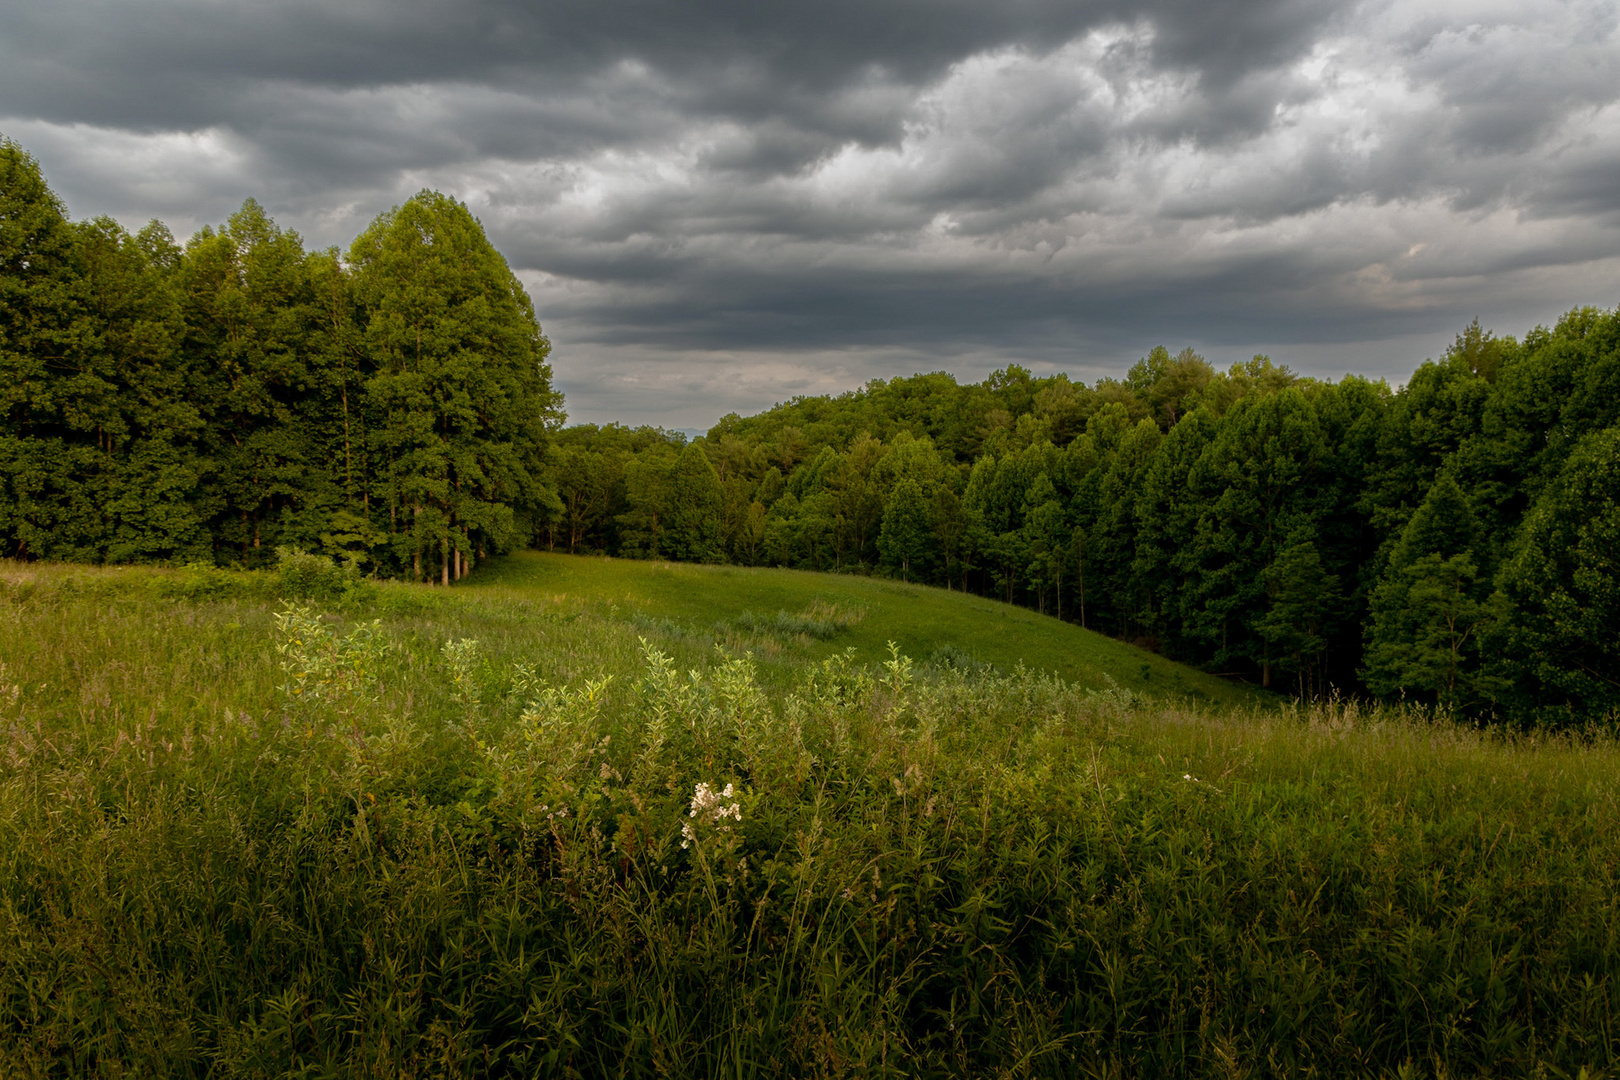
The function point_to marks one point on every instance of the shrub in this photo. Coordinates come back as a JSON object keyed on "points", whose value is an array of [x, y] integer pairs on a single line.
{"points": [[301, 575]]}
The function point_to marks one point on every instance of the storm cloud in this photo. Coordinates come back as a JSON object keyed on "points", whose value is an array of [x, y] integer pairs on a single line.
{"points": [[717, 206]]}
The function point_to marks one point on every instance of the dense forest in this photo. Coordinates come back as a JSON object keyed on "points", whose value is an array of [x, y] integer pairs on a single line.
{"points": [[1454, 542], [212, 401]]}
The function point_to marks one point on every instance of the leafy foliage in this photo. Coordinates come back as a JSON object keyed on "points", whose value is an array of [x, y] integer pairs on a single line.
{"points": [[1563, 583], [213, 403], [392, 410], [1302, 534]]}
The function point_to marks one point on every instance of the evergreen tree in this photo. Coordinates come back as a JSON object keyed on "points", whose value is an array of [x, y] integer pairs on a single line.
{"points": [[1440, 409], [1559, 386], [1560, 644], [1302, 601], [1431, 607], [1350, 415], [1264, 470]]}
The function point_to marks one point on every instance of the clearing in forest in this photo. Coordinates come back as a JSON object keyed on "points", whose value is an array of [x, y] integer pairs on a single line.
{"points": [[794, 615]]}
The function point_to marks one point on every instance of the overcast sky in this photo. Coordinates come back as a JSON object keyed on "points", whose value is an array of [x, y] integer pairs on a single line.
{"points": [[720, 205]]}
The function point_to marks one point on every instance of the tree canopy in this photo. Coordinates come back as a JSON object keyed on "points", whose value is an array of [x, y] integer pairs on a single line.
{"points": [[1451, 542], [215, 401]]}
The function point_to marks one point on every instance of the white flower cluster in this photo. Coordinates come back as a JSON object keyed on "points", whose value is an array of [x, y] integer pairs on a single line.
{"points": [[709, 809]]}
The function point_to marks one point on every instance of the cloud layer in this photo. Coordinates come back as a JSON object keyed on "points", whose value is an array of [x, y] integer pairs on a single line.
{"points": [[717, 206]]}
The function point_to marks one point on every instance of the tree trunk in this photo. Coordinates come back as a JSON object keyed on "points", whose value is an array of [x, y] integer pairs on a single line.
{"points": [[416, 558], [348, 461]]}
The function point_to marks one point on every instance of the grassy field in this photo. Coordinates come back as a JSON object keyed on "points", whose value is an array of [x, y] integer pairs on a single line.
{"points": [[536, 826], [708, 602]]}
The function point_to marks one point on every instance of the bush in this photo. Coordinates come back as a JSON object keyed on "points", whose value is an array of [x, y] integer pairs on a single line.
{"points": [[200, 582], [303, 576]]}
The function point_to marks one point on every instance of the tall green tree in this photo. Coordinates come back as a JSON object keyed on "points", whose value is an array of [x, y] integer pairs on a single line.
{"points": [[1119, 598], [649, 492], [1350, 414], [1167, 508], [1264, 471], [45, 347], [1561, 640], [1431, 607], [152, 426], [1049, 542], [250, 315], [692, 521], [1302, 602], [906, 541], [1441, 408], [952, 527], [460, 395]]}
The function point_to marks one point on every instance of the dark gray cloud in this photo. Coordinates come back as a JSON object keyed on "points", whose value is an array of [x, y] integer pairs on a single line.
{"points": [[719, 205]]}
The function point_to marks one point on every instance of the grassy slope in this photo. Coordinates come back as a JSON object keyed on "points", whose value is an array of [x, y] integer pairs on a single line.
{"points": [[919, 618], [951, 876]]}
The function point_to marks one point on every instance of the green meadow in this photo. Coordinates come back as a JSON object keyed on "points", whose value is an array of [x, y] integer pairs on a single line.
{"points": [[773, 613], [591, 818]]}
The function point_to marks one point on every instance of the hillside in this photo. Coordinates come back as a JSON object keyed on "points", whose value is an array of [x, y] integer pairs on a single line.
{"points": [[1447, 543], [744, 607], [537, 825]]}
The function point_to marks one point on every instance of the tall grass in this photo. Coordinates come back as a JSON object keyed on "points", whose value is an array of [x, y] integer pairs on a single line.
{"points": [[433, 833]]}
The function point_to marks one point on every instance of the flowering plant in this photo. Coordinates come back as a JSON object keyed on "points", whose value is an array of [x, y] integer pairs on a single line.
{"points": [[709, 809]]}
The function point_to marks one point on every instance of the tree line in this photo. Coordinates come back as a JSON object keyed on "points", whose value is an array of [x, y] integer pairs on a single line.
{"points": [[1455, 541], [215, 400]]}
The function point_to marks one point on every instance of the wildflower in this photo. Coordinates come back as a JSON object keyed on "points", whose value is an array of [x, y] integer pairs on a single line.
{"points": [[708, 808]]}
